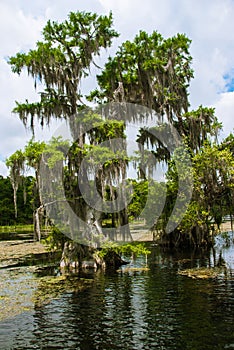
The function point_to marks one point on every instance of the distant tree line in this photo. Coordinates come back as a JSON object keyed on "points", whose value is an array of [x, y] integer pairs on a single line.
{"points": [[25, 201]]}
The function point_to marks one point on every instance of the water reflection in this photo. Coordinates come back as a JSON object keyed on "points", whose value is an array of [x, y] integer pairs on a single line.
{"points": [[155, 309]]}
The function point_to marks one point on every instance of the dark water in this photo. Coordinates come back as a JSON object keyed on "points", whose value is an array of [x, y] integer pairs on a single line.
{"points": [[154, 309]]}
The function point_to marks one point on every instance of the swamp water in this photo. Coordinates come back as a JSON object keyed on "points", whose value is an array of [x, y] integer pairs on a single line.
{"points": [[173, 303]]}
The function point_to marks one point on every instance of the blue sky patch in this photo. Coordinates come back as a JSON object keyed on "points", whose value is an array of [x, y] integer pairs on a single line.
{"points": [[229, 79]]}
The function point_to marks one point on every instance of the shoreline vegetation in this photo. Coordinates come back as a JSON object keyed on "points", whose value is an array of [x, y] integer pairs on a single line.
{"points": [[136, 231], [17, 243]]}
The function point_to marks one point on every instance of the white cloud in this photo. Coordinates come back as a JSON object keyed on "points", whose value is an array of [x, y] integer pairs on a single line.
{"points": [[58, 10], [225, 111], [3, 169], [18, 32]]}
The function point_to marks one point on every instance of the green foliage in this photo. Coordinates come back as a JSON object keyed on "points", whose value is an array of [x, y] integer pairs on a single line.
{"points": [[212, 195], [33, 152], [24, 202], [139, 198], [16, 160], [108, 129], [6, 202], [154, 72], [16, 165], [55, 239], [227, 237], [199, 126], [56, 150], [128, 249], [60, 61], [228, 143], [214, 174]]}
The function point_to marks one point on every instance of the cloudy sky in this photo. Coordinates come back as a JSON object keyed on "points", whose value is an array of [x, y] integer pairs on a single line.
{"points": [[209, 24]]}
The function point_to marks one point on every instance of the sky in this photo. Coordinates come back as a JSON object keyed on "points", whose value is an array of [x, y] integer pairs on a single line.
{"points": [[209, 24]]}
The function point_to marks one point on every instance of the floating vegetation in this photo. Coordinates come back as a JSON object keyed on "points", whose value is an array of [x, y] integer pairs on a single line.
{"points": [[20, 252], [201, 273], [133, 269], [16, 289], [52, 287], [21, 290], [22, 285]]}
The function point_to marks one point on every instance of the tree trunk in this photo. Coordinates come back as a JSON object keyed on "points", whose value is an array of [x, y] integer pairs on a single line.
{"points": [[15, 188], [37, 228], [77, 256]]}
